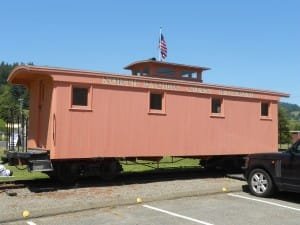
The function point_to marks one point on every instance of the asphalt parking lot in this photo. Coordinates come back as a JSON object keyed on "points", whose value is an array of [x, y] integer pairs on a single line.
{"points": [[239, 208]]}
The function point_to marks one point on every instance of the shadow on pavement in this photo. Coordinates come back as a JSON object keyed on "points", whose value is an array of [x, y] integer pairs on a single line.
{"points": [[282, 196], [48, 185], [288, 196]]}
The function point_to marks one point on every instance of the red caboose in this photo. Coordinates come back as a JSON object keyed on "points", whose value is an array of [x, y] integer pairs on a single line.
{"points": [[83, 121]]}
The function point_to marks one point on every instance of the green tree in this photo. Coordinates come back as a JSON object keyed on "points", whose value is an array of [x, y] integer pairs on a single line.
{"points": [[2, 125], [293, 112], [10, 95], [294, 125], [284, 135], [8, 103]]}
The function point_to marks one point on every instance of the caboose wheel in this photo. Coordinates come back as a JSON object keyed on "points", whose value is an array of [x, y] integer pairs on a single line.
{"points": [[66, 173], [109, 169]]}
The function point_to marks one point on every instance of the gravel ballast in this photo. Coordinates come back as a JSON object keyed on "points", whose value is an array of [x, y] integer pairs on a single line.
{"points": [[59, 201]]}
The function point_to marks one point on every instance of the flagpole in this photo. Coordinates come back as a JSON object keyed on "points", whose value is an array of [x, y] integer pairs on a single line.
{"points": [[159, 54]]}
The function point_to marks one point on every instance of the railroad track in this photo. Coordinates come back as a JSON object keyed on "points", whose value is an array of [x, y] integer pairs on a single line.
{"points": [[48, 185], [10, 185], [127, 178]]}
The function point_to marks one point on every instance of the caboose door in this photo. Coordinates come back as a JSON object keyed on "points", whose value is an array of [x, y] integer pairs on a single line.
{"points": [[44, 108]]}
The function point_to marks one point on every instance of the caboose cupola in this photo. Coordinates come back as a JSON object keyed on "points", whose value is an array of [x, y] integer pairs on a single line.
{"points": [[153, 68]]}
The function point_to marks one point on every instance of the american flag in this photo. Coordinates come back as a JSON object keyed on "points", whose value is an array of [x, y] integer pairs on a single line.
{"points": [[163, 47]]}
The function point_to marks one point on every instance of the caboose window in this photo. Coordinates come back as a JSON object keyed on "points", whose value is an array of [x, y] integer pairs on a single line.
{"points": [[146, 71], [189, 74], [80, 96], [265, 109], [216, 105], [165, 71], [156, 101]]}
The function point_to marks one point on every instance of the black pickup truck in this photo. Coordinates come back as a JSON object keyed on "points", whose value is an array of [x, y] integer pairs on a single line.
{"points": [[269, 172]]}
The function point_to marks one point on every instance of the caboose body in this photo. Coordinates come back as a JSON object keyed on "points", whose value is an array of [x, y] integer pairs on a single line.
{"points": [[78, 118]]}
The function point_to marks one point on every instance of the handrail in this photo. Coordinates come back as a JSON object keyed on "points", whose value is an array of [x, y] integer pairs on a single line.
{"points": [[16, 132]]}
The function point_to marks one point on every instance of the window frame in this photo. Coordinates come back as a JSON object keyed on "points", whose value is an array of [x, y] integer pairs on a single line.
{"points": [[87, 107], [166, 72], [161, 111], [217, 114], [189, 75], [268, 116]]}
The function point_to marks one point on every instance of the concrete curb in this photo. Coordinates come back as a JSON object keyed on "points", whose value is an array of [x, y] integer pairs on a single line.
{"points": [[208, 189]]}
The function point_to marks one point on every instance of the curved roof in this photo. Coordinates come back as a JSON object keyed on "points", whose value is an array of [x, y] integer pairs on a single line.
{"points": [[24, 74], [128, 67]]}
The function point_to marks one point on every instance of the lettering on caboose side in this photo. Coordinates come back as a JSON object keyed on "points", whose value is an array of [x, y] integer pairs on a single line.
{"points": [[199, 90], [162, 86], [236, 93], [119, 82], [173, 87]]}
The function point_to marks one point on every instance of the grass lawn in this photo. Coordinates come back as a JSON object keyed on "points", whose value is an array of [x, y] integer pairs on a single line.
{"points": [[21, 174], [128, 167], [165, 163], [284, 146]]}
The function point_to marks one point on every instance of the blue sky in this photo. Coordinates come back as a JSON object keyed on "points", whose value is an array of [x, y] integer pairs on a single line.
{"points": [[245, 43]]}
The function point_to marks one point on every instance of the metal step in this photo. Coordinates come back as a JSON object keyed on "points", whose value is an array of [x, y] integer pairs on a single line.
{"points": [[40, 165], [29, 154]]}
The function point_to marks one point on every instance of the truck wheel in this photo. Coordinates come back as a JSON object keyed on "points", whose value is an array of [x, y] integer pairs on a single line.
{"points": [[260, 183]]}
